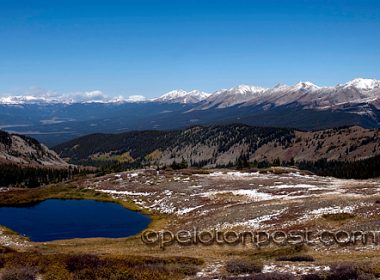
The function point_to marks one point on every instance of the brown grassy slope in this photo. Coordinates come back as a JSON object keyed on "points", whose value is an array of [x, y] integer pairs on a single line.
{"points": [[351, 143]]}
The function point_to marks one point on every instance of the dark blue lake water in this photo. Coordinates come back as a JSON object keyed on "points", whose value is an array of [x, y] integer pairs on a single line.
{"points": [[55, 219]]}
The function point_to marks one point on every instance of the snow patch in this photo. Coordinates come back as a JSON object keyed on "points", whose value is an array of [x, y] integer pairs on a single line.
{"points": [[252, 194], [125, 193], [256, 222], [299, 269], [188, 210]]}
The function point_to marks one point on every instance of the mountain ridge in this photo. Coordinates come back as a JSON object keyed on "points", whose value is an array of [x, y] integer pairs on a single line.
{"points": [[225, 145], [27, 152], [180, 95]]}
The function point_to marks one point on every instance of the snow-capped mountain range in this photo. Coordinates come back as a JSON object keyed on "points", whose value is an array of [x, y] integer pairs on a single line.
{"points": [[229, 97], [304, 93], [53, 118], [182, 96], [95, 96]]}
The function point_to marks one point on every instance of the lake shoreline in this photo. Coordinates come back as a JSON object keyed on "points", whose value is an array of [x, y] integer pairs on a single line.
{"points": [[24, 197]]}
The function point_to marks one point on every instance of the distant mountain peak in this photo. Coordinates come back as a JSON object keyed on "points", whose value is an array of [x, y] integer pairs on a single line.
{"points": [[363, 84], [182, 96], [244, 89], [230, 97], [306, 85]]}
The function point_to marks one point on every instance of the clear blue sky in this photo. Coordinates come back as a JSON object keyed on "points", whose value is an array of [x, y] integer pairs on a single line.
{"points": [[150, 47]]}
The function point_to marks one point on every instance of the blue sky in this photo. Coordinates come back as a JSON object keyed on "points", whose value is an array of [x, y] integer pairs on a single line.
{"points": [[149, 47]]}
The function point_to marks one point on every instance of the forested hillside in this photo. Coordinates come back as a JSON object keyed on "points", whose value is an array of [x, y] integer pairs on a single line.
{"points": [[141, 144], [24, 162], [225, 146]]}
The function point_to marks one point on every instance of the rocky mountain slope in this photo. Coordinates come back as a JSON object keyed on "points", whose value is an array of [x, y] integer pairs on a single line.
{"points": [[225, 145], [24, 151]]}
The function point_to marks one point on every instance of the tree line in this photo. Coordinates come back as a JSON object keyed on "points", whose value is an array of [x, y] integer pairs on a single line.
{"points": [[31, 177], [360, 169]]}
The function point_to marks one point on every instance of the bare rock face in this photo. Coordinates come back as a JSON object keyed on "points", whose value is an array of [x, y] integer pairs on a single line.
{"points": [[25, 151]]}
